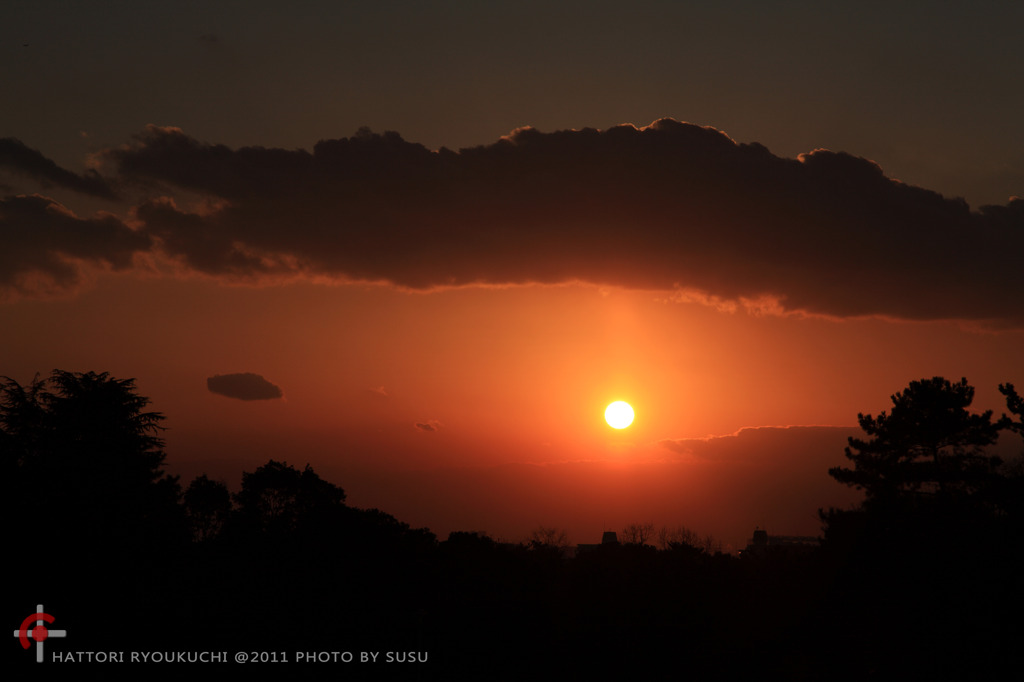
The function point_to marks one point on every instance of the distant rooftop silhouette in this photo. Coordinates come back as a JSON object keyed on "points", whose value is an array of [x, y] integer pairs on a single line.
{"points": [[609, 537]]}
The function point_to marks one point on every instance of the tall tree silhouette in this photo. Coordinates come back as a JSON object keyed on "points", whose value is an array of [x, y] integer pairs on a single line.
{"points": [[87, 452], [22, 420], [936, 542], [92, 504], [928, 445]]}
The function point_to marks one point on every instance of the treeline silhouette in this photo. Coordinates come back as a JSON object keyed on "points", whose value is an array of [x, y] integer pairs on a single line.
{"points": [[922, 579]]}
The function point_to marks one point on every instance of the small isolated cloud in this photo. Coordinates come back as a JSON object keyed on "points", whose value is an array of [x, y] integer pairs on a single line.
{"points": [[243, 386], [429, 427], [380, 390]]}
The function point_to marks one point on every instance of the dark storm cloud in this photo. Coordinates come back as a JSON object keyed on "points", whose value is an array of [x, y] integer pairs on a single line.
{"points": [[15, 156], [669, 206], [243, 386], [43, 245]]}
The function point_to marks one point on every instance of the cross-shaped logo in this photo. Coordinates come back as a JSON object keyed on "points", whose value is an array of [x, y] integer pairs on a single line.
{"points": [[33, 626]]}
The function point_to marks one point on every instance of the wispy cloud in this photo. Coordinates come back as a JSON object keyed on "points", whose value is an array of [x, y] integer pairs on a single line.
{"points": [[428, 426]]}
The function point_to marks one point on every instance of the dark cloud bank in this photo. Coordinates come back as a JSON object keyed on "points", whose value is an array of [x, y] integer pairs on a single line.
{"points": [[669, 206], [244, 386], [21, 159], [43, 245]]}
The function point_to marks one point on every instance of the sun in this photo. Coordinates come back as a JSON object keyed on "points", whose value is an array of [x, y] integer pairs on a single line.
{"points": [[619, 415]]}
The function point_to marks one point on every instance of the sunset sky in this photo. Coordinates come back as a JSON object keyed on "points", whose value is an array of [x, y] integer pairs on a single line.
{"points": [[438, 238]]}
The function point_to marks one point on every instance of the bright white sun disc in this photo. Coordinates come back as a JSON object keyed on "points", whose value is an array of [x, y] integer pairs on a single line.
{"points": [[619, 415]]}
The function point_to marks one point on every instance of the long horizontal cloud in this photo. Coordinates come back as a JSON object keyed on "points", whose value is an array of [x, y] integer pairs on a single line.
{"points": [[672, 206], [43, 246], [17, 157], [767, 443]]}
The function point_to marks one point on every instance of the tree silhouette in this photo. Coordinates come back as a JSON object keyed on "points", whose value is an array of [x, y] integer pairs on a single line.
{"points": [[1015, 404], [549, 540], [928, 445], [1009, 493], [682, 538], [207, 504], [935, 542], [278, 496], [92, 505], [87, 455], [548, 536], [22, 420], [638, 533]]}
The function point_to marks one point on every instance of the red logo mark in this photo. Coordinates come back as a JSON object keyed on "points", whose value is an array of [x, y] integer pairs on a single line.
{"points": [[34, 627], [39, 632]]}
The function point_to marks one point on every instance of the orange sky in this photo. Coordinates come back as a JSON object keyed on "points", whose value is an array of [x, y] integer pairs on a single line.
{"points": [[512, 383], [447, 309]]}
